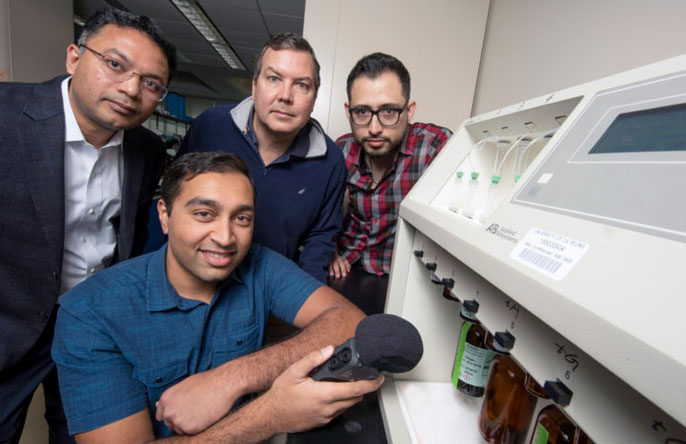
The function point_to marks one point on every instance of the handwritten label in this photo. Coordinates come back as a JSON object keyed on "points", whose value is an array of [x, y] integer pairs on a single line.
{"points": [[659, 426], [513, 308], [570, 358]]}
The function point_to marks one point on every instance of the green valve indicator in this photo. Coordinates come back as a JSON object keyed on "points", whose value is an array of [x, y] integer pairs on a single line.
{"points": [[517, 176], [459, 174], [475, 176], [495, 180]]}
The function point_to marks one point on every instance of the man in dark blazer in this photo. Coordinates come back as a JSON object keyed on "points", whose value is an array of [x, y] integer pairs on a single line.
{"points": [[51, 200]]}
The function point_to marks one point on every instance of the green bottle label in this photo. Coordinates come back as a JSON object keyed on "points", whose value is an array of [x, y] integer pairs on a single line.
{"points": [[460, 351], [541, 436]]}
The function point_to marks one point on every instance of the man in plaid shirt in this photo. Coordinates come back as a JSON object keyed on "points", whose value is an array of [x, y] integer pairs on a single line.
{"points": [[385, 156]]}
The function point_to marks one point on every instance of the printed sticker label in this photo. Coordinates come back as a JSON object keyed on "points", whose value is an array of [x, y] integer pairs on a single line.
{"points": [[552, 254], [475, 364]]}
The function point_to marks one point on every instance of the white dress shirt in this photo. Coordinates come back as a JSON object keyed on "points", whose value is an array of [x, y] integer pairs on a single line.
{"points": [[92, 195]]}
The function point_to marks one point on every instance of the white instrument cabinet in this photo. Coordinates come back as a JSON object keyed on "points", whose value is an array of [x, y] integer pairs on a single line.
{"points": [[564, 217]]}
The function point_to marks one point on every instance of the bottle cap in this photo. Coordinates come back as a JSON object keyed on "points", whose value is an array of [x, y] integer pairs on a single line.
{"points": [[503, 341], [471, 305], [468, 310], [558, 392]]}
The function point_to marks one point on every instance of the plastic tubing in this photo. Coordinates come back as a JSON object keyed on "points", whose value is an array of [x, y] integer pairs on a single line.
{"points": [[491, 196], [501, 147], [497, 171], [518, 161], [477, 146]]}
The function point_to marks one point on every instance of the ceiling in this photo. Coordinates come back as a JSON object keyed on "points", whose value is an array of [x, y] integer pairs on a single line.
{"points": [[201, 72]]}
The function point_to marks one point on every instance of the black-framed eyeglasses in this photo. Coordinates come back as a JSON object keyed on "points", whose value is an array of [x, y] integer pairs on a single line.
{"points": [[121, 71], [387, 116]]}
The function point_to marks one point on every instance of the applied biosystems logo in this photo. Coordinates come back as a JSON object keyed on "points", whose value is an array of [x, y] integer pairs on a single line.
{"points": [[503, 232]]}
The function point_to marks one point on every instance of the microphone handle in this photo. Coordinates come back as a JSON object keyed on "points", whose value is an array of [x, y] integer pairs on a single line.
{"points": [[344, 365]]}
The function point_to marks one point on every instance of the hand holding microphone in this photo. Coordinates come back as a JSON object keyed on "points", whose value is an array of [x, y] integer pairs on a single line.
{"points": [[297, 401], [382, 342]]}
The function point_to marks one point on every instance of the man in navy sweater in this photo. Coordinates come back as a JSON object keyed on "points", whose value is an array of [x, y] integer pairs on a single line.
{"points": [[297, 169]]}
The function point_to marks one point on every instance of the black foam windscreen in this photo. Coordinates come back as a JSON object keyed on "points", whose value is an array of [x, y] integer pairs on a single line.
{"points": [[389, 343]]}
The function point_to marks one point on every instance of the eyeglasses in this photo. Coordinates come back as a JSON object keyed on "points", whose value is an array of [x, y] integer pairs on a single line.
{"points": [[387, 116], [120, 71]]}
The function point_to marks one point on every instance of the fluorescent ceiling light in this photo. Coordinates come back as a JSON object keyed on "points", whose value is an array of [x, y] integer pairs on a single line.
{"points": [[197, 17]]}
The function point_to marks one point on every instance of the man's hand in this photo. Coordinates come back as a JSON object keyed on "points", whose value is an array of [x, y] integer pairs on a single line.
{"points": [[203, 399], [196, 403], [339, 266], [298, 403]]}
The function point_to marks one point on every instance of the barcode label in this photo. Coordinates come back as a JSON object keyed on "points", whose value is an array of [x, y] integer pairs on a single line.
{"points": [[551, 254], [539, 260]]}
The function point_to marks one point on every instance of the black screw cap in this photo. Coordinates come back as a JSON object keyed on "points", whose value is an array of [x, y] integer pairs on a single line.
{"points": [[504, 340], [558, 392], [473, 307]]}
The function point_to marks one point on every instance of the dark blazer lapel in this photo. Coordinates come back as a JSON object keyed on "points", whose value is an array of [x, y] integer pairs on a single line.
{"points": [[42, 137], [134, 162]]}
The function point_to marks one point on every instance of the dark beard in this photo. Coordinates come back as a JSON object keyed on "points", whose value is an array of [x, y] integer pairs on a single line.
{"points": [[375, 154]]}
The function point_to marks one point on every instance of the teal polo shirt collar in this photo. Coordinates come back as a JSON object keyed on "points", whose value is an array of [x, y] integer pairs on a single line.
{"points": [[161, 296]]}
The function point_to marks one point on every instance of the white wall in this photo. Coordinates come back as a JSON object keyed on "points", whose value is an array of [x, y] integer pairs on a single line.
{"points": [[5, 58], [39, 32], [439, 41], [34, 35], [533, 47]]}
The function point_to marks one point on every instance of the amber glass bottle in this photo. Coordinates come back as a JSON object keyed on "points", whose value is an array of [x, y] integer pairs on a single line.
{"points": [[473, 357], [553, 427], [534, 387], [508, 406]]}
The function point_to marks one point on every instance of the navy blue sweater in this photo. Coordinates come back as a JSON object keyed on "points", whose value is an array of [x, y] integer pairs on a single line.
{"points": [[299, 196]]}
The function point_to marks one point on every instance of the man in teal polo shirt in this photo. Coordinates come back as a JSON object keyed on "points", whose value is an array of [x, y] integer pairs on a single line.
{"points": [[168, 342]]}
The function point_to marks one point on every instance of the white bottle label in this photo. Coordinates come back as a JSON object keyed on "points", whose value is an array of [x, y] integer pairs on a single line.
{"points": [[475, 364]]}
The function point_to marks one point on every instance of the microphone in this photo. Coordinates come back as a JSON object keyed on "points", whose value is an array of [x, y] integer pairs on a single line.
{"points": [[382, 342]]}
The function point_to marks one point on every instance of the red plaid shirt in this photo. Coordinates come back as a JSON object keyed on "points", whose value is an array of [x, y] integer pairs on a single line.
{"points": [[369, 225]]}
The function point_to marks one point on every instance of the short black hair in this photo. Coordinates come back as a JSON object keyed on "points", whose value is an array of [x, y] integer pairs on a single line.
{"points": [[190, 165], [373, 65], [126, 19], [288, 40]]}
